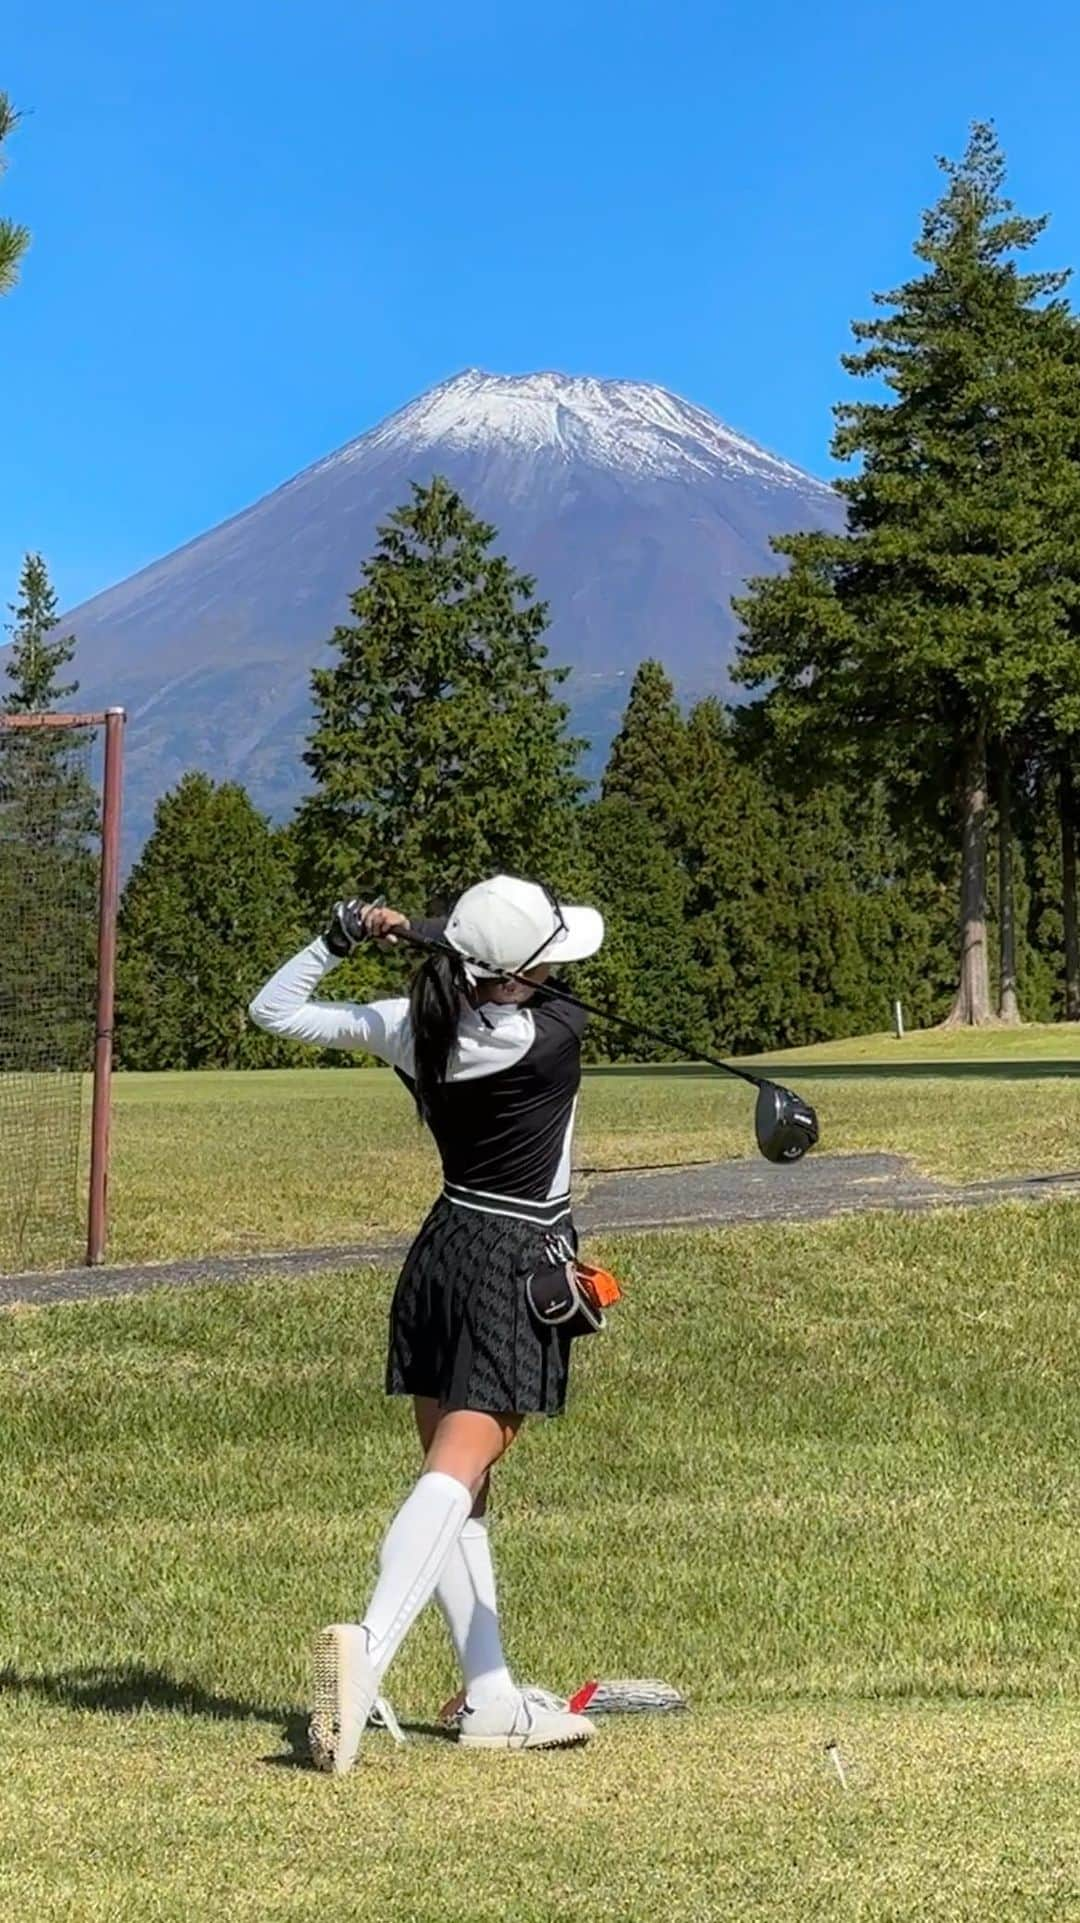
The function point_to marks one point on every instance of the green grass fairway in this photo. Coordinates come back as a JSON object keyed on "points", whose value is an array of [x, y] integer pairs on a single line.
{"points": [[827, 1479], [214, 1162], [1034, 1042]]}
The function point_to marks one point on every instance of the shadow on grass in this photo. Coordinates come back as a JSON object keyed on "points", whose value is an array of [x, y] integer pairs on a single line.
{"points": [[636, 1168], [124, 1691], [127, 1690]]}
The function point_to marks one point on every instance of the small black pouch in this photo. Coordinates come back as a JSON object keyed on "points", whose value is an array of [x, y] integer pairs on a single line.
{"points": [[555, 1296]]}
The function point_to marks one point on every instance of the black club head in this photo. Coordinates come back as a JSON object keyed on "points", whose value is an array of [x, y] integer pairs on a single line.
{"points": [[785, 1126]]}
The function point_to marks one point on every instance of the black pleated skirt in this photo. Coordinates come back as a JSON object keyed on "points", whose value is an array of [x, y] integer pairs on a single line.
{"points": [[460, 1327]]}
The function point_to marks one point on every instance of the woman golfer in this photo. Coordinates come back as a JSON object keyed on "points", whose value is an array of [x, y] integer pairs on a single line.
{"points": [[495, 1076]]}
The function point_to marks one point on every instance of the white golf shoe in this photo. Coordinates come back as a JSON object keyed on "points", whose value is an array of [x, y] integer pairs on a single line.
{"points": [[522, 1719], [344, 1690]]}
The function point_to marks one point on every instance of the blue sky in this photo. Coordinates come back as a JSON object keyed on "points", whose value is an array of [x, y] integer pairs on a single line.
{"points": [[259, 227]]}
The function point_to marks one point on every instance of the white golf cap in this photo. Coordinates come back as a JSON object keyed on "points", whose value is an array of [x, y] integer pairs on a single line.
{"points": [[507, 923]]}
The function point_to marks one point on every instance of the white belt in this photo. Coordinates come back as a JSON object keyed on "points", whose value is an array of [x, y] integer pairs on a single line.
{"points": [[545, 1214]]}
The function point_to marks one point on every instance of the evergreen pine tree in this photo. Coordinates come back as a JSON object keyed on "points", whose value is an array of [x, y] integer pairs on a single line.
{"points": [[903, 884], [1045, 892], [207, 914], [14, 240], [927, 637], [807, 913], [645, 763], [36, 655], [1068, 817], [59, 807], [646, 969], [439, 751], [1057, 753], [769, 904], [49, 820]]}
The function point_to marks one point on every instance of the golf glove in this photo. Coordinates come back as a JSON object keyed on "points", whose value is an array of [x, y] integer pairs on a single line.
{"points": [[346, 928]]}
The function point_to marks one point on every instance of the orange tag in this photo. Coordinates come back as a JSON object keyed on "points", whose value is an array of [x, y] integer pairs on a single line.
{"points": [[601, 1285]]}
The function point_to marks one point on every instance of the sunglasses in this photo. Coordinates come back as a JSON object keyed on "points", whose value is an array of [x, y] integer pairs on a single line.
{"points": [[558, 931]]}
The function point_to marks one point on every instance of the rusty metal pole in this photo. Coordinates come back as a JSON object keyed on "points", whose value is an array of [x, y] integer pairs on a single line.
{"points": [[106, 982]]}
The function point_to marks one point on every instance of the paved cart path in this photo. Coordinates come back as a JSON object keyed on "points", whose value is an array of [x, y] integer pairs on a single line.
{"points": [[699, 1195]]}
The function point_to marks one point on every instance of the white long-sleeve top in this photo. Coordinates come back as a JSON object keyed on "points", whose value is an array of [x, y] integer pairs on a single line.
{"points": [[504, 1120], [284, 1006]]}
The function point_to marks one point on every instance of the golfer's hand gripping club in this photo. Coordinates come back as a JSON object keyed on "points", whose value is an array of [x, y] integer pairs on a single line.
{"points": [[354, 921]]}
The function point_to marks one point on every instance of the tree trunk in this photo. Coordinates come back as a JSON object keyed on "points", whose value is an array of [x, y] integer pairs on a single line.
{"points": [[1067, 806], [971, 1008], [1008, 1004]]}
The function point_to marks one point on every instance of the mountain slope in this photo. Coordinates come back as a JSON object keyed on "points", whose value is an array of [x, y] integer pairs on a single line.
{"points": [[639, 514]]}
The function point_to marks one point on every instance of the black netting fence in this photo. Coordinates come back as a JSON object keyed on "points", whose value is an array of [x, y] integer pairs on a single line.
{"points": [[50, 864]]}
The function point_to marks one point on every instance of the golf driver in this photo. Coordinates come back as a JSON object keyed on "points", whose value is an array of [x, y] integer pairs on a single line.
{"points": [[785, 1126]]}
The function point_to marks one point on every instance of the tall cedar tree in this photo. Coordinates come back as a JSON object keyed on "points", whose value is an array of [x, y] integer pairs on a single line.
{"points": [[1043, 887], [769, 907], [14, 240], [53, 763], [1048, 733], [806, 913], [48, 831], [36, 654], [1069, 818], [646, 969], [926, 637], [1064, 746], [645, 762], [439, 751], [207, 914]]}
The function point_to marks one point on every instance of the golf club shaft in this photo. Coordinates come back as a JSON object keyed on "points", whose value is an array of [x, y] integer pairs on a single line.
{"points": [[660, 1035], [554, 993]]}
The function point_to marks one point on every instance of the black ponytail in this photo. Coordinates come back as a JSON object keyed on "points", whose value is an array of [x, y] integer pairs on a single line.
{"points": [[434, 1012]]}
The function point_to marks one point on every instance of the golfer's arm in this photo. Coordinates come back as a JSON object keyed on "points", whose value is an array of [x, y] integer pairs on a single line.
{"points": [[284, 1006]]}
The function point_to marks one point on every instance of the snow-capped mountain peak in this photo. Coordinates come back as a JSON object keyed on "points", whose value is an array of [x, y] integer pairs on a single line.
{"points": [[617, 424], [638, 514]]}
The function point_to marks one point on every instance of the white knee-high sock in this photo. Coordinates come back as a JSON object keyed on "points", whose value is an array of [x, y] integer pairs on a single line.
{"points": [[413, 1555], [465, 1593]]}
